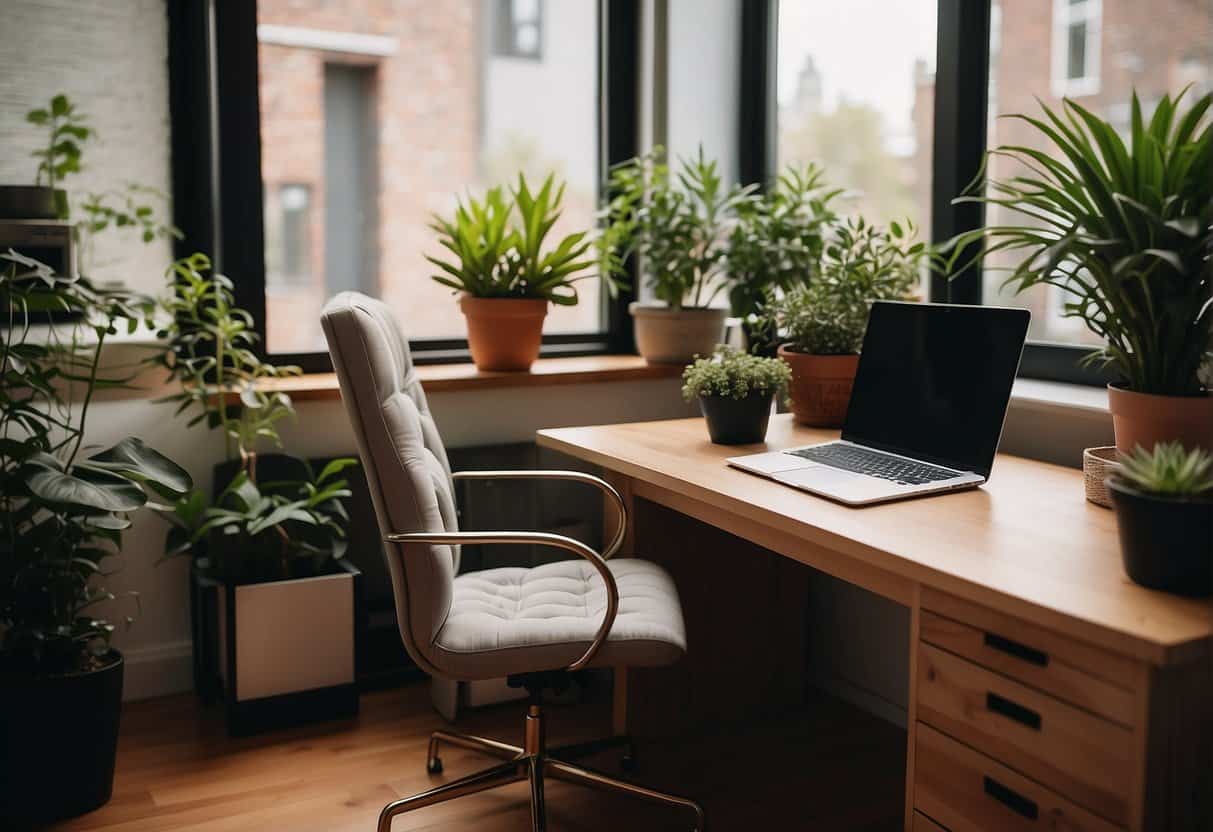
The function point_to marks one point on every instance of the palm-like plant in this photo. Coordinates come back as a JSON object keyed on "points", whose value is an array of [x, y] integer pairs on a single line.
{"points": [[498, 246], [1125, 231]]}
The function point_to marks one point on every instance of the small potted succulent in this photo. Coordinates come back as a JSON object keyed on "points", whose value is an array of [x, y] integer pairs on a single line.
{"points": [[1123, 231], [1164, 512], [504, 274], [735, 391], [822, 324], [679, 224], [776, 244]]}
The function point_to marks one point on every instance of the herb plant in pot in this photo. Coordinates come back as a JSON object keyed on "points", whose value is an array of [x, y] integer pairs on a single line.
{"points": [[822, 324], [274, 599], [735, 391], [1164, 512], [66, 131], [776, 244], [678, 225], [63, 510], [505, 277], [1125, 233]]}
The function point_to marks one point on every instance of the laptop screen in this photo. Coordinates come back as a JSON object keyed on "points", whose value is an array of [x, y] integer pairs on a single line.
{"points": [[934, 381]]}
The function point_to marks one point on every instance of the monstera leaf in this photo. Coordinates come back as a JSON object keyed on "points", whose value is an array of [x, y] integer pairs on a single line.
{"points": [[133, 459]]}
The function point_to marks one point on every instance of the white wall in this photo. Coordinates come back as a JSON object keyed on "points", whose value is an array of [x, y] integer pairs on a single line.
{"points": [[111, 57]]}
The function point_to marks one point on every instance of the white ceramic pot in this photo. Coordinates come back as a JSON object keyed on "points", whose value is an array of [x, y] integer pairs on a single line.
{"points": [[676, 336]]}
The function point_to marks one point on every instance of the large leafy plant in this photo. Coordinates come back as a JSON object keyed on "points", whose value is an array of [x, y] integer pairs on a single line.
{"points": [[678, 222], [860, 264], [252, 531], [499, 250], [778, 241], [1125, 231], [63, 505]]}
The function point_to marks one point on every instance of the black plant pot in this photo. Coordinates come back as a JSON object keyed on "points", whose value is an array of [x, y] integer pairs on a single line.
{"points": [[58, 740], [737, 421], [1167, 544]]}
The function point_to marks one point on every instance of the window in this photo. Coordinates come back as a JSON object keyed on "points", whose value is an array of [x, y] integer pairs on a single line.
{"points": [[1076, 45], [370, 122], [856, 95], [518, 28], [1152, 48]]}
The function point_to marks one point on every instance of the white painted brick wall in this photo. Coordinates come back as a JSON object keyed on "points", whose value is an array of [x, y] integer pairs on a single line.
{"points": [[111, 58]]}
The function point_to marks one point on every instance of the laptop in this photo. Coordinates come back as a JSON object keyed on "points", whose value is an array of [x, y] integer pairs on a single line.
{"points": [[926, 412]]}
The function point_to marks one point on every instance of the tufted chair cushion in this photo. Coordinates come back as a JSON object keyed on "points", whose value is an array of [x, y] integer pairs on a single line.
{"points": [[402, 454]]}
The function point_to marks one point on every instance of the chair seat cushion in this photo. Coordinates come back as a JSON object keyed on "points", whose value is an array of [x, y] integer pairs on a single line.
{"points": [[518, 620]]}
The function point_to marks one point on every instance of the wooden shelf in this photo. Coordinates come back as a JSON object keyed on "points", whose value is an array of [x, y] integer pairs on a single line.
{"points": [[448, 378]]}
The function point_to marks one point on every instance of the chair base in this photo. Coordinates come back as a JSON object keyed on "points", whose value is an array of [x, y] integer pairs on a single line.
{"points": [[533, 762]]}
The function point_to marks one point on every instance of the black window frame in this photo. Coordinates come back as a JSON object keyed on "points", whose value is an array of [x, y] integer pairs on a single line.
{"points": [[218, 196], [962, 72]]}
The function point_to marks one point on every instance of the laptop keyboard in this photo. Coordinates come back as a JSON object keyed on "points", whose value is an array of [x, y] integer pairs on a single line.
{"points": [[875, 464]]}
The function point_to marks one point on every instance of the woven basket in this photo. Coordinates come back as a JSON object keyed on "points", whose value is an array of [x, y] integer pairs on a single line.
{"points": [[1097, 465]]}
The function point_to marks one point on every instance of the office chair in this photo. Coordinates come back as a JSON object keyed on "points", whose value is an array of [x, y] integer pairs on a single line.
{"points": [[533, 626]]}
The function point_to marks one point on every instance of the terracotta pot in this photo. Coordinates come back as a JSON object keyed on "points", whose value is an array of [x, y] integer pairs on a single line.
{"points": [[504, 333], [676, 336], [1145, 419], [821, 387]]}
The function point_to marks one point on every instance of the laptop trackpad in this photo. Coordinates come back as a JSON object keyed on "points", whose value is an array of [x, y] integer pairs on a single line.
{"points": [[826, 478]]}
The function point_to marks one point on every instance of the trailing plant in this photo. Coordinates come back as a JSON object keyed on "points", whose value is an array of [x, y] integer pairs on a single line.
{"points": [[1125, 232], [860, 264], [499, 248], [733, 374], [250, 531], [66, 130], [678, 222], [778, 242], [1168, 470], [63, 506]]}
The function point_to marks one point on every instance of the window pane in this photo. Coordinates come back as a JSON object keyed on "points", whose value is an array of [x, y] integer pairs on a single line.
{"points": [[856, 95], [1155, 48], [375, 116]]}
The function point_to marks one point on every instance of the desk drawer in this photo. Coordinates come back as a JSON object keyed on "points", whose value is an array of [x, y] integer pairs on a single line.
{"points": [[1083, 757], [968, 792], [1086, 676]]}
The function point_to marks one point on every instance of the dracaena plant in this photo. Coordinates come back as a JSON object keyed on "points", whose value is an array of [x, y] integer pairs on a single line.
{"points": [[678, 222], [499, 246], [63, 504], [251, 531], [1124, 230]]}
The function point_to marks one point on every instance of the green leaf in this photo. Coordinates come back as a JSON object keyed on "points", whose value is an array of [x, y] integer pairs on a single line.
{"points": [[144, 464], [108, 492]]}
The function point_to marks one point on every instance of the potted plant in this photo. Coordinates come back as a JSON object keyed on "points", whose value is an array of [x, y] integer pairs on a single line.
{"points": [[679, 225], [1125, 233], [735, 391], [271, 587], [505, 276], [66, 131], [1164, 513], [777, 244], [63, 508], [822, 324]]}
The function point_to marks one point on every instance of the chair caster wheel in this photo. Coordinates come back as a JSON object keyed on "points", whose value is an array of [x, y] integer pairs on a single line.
{"points": [[434, 766]]}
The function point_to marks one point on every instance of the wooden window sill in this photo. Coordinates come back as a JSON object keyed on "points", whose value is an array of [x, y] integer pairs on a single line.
{"points": [[450, 378]]}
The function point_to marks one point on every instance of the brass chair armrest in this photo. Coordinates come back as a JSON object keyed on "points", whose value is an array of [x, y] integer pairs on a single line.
{"points": [[558, 541], [576, 476]]}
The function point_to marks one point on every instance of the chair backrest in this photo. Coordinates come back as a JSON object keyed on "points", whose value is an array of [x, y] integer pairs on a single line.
{"points": [[402, 454]]}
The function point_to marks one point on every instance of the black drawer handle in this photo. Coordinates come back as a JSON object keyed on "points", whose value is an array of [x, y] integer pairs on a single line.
{"points": [[1016, 649], [1011, 710], [1010, 798]]}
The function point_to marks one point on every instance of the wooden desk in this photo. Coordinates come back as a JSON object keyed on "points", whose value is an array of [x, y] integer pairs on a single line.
{"points": [[1045, 688]]}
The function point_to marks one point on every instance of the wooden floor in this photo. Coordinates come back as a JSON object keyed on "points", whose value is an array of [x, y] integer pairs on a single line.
{"points": [[829, 767]]}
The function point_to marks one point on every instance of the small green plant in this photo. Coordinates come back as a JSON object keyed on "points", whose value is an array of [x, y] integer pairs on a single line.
{"points": [[1169, 470], [66, 130], [778, 242], [862, 263], [1125, 233], [262, 528], [63, 506], [679, 223], [499, 251], [733, 374]]}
